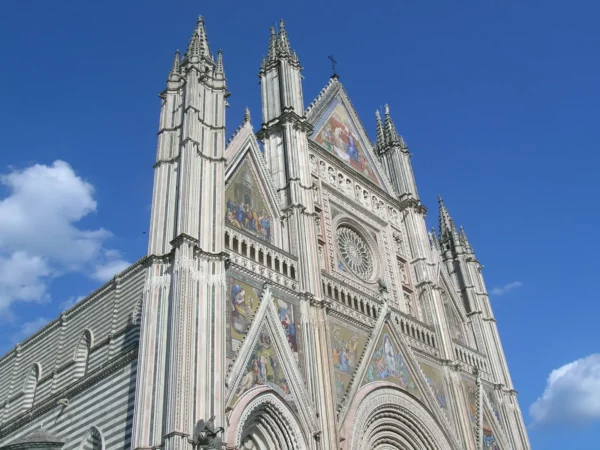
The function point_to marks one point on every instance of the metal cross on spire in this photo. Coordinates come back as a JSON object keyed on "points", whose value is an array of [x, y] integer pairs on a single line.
{"points": [[333, 63]]}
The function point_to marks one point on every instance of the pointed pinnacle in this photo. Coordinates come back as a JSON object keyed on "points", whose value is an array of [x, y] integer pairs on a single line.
{"points": [[391, 135], [272, 55], [219, 68], [446, 224], [247, 117], [202, 38], [175, 69], [284, 43], [380, 134], [463, 236]]}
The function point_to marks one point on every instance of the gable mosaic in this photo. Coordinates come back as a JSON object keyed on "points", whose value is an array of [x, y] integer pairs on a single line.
{"points": [[435, 380], [264, 368], [388, 364], [245, 207], [339, 136]]}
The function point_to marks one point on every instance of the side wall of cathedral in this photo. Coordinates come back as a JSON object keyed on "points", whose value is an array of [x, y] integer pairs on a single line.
{"points": [[76, 377]]}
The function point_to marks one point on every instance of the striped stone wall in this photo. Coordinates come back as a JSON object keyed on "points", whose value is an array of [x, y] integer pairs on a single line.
{"points": [[76, 376]]}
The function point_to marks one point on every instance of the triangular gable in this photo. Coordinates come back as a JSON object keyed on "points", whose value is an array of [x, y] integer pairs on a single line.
{"points": [[338, 130], [347, 344], [388, 363], [250, 201], [396, 364], [266, 360]]}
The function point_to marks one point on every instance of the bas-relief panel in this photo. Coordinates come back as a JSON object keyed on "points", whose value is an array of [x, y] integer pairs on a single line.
{"points": [[388, 364], [243, 300], [435, 380], [264, 368], [347, 345], [245, 207], [338, 135]]}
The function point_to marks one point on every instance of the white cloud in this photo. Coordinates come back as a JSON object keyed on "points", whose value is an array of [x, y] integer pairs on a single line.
{"points": [[28, 328], [572, 394], [506, 288], [39, 237], [109, 269], [70, 302]]}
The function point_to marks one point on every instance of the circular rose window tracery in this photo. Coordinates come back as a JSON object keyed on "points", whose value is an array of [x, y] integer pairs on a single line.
{"points": [[355, 252]]}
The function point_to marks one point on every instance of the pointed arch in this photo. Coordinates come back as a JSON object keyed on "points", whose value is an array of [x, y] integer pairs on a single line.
{"points": [[30, 386], [264, 421], [93, 440], [82, 354]]}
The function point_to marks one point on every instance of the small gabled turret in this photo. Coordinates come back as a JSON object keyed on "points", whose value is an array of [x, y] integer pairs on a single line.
{"points": [[247, 117]]}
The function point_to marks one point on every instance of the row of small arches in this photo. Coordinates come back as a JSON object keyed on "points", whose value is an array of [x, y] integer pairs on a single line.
{"points": [[80, 366], [259, 256], [351, 301], [415, 332], [471, 360]]}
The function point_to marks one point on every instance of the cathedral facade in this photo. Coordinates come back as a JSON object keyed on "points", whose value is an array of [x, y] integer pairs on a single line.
{"points": [[292, 296]]}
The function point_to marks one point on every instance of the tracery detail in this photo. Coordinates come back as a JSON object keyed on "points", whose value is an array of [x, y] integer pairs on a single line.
{"points": [[355, 252]]}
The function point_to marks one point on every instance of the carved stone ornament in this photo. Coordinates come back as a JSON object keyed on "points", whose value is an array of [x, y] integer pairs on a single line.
{"points": [[355, 252]]}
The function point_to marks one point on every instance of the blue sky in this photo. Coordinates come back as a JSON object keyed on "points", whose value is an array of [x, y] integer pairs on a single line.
{"points": [[497, 100]]}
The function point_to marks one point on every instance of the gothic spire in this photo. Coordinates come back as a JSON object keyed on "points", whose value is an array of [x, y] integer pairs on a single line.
{"points": [[447, 227], [198, 46], [434, 239], [380, 134], [272, 55], [175, 72], [390, 133], [247, 117], [282, 38], [203, 39]]}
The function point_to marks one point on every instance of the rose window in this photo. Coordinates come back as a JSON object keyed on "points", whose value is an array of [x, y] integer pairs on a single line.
{"points": [[355, 252]]}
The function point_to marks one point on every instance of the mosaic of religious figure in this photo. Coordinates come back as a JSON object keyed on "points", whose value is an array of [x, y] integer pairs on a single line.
{"points": [[287, 319], [243, 303], [495, 407], [346, 348], [435, 380], [470, 389], [339, 136], [264, 368], [489, 440], [388, 364], [245, 205]]}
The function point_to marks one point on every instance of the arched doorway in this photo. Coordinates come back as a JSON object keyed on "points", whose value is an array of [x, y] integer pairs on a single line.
{"points": [[265, 422], [387, 418]]}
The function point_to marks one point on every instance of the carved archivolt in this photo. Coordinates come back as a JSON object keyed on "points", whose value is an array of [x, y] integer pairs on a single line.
{"points": [[388, 418], [267, 423]]}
